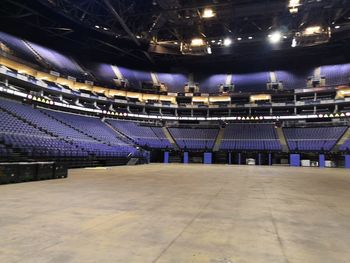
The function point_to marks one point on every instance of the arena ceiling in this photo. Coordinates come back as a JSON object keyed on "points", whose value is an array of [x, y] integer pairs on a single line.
{"points": [[156, 33]]}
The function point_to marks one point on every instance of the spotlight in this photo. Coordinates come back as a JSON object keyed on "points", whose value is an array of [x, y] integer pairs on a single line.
{"points": [[197, 42], [208, 13], [275, 37], [209, 50], [294, 43], [227, 42]]}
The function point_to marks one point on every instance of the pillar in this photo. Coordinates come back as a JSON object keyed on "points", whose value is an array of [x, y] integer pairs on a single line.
{"points": [[295, 160], [321, 160], [207, 158], [347, 161], [185, 157], [166, 157], [229, 158], [270, 159]]}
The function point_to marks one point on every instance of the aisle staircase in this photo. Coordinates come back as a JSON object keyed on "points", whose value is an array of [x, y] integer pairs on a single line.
{"points": [[282, 139], [342, 140], [219, 139], [170, 138]]}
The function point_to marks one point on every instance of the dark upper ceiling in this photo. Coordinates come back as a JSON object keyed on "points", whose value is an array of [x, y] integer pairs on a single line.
{"points": [[142, 33]]}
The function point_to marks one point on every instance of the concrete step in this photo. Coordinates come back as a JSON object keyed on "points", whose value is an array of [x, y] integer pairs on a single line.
{"points": [[342, 139], [218, 140], [282, 139], [170, 138]]}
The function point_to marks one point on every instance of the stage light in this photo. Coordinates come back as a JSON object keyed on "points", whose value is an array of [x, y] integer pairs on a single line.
{"points": [[336, 27], [275, 37], [213, 41], [294, 43], [312, 30], [97, 26], [239, 38], [208, 13], [293, 6], [227, 42], [209, 50], [196, 42], [250, 37]]}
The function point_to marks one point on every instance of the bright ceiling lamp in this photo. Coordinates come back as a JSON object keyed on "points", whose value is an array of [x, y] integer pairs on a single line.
{"points": [[208, 13], [293, 6], [275, 37], [196, 42], [227, 42], [311, 30]]}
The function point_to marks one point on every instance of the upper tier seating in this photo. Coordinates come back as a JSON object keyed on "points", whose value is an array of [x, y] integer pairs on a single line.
{"points": [[292, 80], [250, 137], [336, 74], [174, 82], [18, 47], [313, 139], [250, 82], [153, 137], [211, 83], [60, 62], [187, 138]]}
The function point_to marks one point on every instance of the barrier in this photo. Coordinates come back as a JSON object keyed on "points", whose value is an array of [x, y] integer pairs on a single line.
{"points": [[27, 172]]}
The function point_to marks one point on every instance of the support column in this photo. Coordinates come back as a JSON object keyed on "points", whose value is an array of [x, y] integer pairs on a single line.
{"points": [[207, 158], [347, 161], [166, 157], [295, 160], [239, 158], [270, 159], [185, 157], [259, 158], [229, 158], [321, 161]]}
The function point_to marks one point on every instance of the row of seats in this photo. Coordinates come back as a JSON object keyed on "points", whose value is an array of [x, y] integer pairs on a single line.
{"points": [[42, 132], [37, 133]]}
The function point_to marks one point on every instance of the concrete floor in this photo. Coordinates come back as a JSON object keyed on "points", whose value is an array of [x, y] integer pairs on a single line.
{"points": [[179, 213]]}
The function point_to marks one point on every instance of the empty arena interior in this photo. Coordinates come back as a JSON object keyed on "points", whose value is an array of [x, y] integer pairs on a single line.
{"points": [[175, 131]]}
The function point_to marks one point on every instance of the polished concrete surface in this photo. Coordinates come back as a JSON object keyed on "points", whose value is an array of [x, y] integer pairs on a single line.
{"points": [[179, 213]]}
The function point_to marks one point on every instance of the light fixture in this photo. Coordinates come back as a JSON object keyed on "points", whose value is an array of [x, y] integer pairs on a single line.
{"points": [[293, 6], [213, 41], [239, 38], [209, 50], [294, 43], [336, 27], [250, 37], [138, 36], [208, 13], [275, 37], [196, 42], [97, 26], [311, 30], [227, 42]]}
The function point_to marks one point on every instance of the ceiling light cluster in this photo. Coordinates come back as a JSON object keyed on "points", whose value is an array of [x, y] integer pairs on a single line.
{"points": [[293, 6], [208, 13]]}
